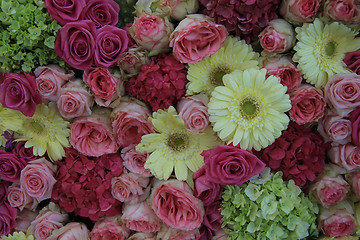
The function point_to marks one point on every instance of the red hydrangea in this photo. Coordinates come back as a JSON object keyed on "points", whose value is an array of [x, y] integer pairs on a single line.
{"points": [[84, 184], [299, 153], [244, 18], [160, 84]]}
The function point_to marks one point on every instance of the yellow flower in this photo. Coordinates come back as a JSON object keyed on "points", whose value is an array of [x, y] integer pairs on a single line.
{"points": [[205, 75], [321, 48], [10, 120], [18, 236], [250, 109], [173, 147]]}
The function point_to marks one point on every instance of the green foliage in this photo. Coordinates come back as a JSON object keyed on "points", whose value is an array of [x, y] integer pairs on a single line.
{"points": [[127, 10], [27, 36]]}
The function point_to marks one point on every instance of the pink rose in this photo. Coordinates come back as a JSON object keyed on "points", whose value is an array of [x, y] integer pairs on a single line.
{"points": [[142, 236], [130, 187], [130, 122], [93, 135], [49, 219], [352, 61], [75, 44], [346, 156], [24, 219], [193, 110], [107, 88], [212, 217], [140, 217], [354, 180], [173, 194], [11, 166], [110, 228], [299, 11], [134, 161], [37, 179], [229, 165], [24, 153], [132, 60], [20, 199], [346, 11], [342, 93], [74, 100], [111, 41], [335, 128], [151, 32], [101, 12], [18, 92], [196, 37], [7, 219], [355, 124], [71, 231], [168, 233], [277, 37], [65, 11], [307, 104], [284, 68]]}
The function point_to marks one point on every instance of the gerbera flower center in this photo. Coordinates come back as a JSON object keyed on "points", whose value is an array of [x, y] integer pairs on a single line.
{"points": [[178, 141], [216, 76], [249, 108], [330, 48], [37, 127]]}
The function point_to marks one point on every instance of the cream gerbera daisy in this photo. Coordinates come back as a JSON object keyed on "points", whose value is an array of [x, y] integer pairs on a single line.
{"points": [[205, 75], [173, 147], [321, 48], [18, 236], [9, 120], [249, 109], [47, 132]]}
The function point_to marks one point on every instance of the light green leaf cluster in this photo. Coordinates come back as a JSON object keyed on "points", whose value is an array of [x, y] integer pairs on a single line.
{"points": [[27, 36], [271, 210]]}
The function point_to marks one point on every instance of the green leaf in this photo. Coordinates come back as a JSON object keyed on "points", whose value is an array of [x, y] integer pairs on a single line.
{"points": [[49, 42], [7, 7]]}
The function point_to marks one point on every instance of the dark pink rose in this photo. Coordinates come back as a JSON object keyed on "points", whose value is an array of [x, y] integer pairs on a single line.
{"points": [[18, 91], [65, 11], [229, 165], [205, 233], [346, 156], [355, 124], [24, 153], [7, 219], [212, 217], [352, 61], [71, 231], [24, 218], [110, 228], [345, 11], [299, 11], [169, 233], [20, 199], [101, 12], [354, 181], [3, 191], [134, 161], [110, 43], [11, 166], [75, 44]]}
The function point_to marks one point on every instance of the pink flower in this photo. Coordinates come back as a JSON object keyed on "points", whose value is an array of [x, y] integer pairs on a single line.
{"points": [[130, 122], [352, 61], [101, 12], [18, 92], [24, 153], [110, 228], [342, 93], [354, 180], [3, 191], [11, 166], [355, 124], [220, 235], [37, 179], [177, 234], [132, 60], [307, 104], [335, 128], [346, 156], [93, 135], [134, 161], [299, 11], [65, 11], [7, 219], [49, 81], [142, 236], [173, 202], [74, 100], [71, 231], [212, 218], [229, 165], [20, 199], [24, 219], [196, 37], [140, 217], [193, 110], [345, 11]]}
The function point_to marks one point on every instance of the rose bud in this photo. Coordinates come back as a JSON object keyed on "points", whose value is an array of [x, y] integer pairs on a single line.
{"points": [[354, 180], [110, 228], [345, 11], [335, 128], [346, 156], [176, 234], [20, 199], [132, 60], [71, 231], [299, 11]]}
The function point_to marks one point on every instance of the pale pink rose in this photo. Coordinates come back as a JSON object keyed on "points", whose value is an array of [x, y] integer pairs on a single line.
{"points": [[37, 179], [220, 235], [142, 236], [345, 11], [24, 219], [337, 221], [151, 32], [93, 135], [174, 194], [168, 233], [132, 60], [110, 228], [342, 93], [277, 37], [130, 122], [134, 161], [130, 187], [49, 81], [196, 37], [74, 100], [354, 180], [107, 88], [49, 219], [346, 156], [335, 128], [19, 198], [140, 217], [299, 11], [71, 231], [193, 110]]}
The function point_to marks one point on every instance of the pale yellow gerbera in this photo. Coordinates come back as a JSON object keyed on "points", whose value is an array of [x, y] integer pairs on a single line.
{"points": [[10, 120], [249, 110], [173, 147], [18, 236], [46, 131], [321, 48], [205, 75]]}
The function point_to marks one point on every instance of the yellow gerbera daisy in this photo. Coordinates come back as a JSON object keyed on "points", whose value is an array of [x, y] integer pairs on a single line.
{"points": [[18, 236], [10, 120], [47, 132], [205, 75], [249, 109], [321, 48], [173, 147]]}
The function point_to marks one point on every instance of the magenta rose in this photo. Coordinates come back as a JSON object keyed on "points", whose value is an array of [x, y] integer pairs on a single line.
{"points": [[134, 161], [71, 231], [20, 199], [355, 124], [18, 92], [299, 11], [345, 11], [75, 44], [346, 156], [354, 181], [307, 104], [335, 128], [37, 179], [24, 153], [65, 11], [212, 217], [3, 191], [7, 219], [169, 233], [196, 37], [110, 228], [11, 166], [352, 61], [101, 12], [229, 165]]}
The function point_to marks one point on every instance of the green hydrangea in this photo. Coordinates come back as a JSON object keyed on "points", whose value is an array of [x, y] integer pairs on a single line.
{"points": [[27, 36], [270, 209]]}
